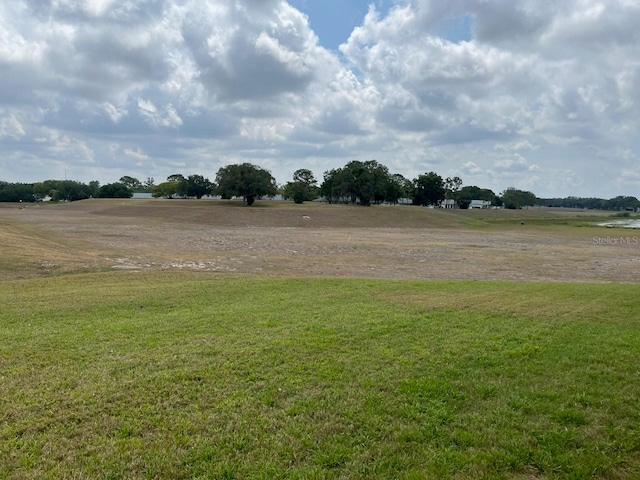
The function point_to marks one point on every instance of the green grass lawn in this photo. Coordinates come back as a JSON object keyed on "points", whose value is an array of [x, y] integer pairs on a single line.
{"points": [[192, 375]]}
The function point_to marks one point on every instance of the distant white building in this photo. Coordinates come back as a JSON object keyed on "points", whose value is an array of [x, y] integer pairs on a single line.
{"points": [[480, 204], [448, 203]]}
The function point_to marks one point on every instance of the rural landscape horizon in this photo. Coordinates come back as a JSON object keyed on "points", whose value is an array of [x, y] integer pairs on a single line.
{"points": [[357, 182]]}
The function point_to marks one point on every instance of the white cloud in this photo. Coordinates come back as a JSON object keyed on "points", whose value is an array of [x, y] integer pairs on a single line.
{"points": [[629, 178], [168, 117], [114, 113], [513, 165], [97, 7], [471, 168], [519, 146], [136, 154], [10, 127], [544, 93]]}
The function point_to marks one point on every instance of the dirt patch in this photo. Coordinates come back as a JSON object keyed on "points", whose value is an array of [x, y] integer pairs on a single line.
{"points": [[376, 242]]}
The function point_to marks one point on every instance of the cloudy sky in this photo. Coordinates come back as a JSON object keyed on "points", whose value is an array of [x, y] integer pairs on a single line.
{"points": [[539, 95]]}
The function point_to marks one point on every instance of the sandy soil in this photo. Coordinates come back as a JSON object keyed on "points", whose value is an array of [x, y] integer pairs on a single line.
{"points": [[92, 236]]}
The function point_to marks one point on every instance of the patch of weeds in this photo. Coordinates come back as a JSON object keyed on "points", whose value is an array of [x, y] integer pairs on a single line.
{"points": [[621, 215], [569, 417]]}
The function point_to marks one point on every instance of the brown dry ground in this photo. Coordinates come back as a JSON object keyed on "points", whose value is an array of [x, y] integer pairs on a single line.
{"points": [[280, 238]]}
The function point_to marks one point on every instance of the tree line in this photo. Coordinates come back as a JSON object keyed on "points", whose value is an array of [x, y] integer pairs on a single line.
{"points": [[59, 191], [617, 203], [360, 183]]}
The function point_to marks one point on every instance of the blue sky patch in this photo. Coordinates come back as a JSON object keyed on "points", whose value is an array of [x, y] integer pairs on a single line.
{"points": [[334, 20]]}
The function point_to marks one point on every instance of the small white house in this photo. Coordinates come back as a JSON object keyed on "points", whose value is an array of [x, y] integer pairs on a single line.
{"points": [[448, 203], [480, 204]]}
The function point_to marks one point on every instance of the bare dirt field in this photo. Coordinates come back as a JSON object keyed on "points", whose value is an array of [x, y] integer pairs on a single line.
{"points": [[278, 238]]}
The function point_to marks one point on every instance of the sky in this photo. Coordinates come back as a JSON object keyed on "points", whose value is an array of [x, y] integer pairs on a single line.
{"points": [[537, 95]]}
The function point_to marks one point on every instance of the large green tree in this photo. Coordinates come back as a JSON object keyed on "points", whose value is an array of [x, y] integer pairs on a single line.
{"points": [[174, 186], [165, 190], [115, 190], [197, 186], [515, 199], [245, 180], [429, 189], [358, 182], [131, 182], [303, 188], [179, 183], [471, 192]]}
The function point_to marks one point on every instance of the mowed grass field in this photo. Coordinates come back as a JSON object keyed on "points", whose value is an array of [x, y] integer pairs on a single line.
{"points": [[193, 374]]}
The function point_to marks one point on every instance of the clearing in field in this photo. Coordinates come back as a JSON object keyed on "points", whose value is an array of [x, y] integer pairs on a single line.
{"points": [[281, 238]]}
